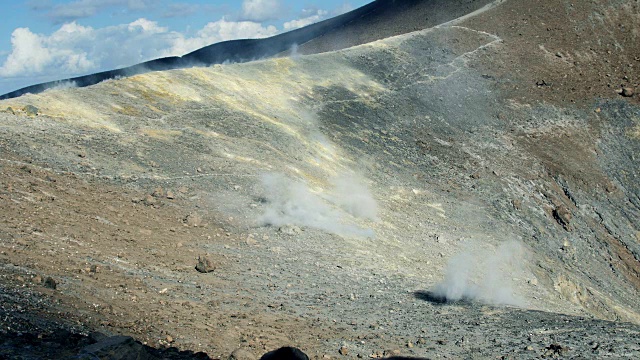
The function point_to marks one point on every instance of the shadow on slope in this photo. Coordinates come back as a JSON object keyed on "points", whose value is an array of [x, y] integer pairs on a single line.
{"points": [[439, 299], [374, 21], [63, 344]]}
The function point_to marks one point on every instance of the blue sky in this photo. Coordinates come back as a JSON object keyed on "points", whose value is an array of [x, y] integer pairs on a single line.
{"points": [[44, 40]]}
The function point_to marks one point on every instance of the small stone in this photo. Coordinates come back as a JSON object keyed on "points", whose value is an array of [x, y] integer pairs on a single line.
{"points": [[36, 279], [610, 187], [242, 354], [251, 241], [517, 204], [627, 92], [205, 265], [290, 230], [10, 110], [193, 219], [475, 175], [158, 192], [563, 216], [94, 269], [31, 110], [394, 352], [344, 351], [410, 345], [170, 195], [149, 200], [556, 349], [50, 283], [530, 348], [169, 339]]}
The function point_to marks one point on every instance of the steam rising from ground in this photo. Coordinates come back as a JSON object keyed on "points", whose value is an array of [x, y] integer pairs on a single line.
{"points": [[483, 275], [294, 52], [64, 85], [352, 195], [292, 202]]}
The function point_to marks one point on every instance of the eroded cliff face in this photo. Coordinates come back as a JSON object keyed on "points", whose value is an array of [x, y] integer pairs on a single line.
{"points": [[415, 158]]}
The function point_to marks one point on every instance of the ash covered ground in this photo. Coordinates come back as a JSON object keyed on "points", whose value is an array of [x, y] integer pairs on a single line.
{"points": [[466, 190]]}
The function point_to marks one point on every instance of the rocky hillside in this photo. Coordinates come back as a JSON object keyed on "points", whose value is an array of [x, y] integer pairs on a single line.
{"points": [[470, 189]]}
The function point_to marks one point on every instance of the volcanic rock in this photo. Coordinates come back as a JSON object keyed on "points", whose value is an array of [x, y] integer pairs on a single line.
{"points": [[627, 92], [242, 354], [31, 110], [50, 283], [117, 347], [205, 265]]}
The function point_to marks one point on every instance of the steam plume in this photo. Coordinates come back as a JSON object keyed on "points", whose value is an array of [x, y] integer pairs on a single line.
{"points": [[291, 202], [482, 275]]}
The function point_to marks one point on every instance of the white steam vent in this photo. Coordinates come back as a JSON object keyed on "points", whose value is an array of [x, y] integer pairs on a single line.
{"points": [[482, 275], [291, 202]]}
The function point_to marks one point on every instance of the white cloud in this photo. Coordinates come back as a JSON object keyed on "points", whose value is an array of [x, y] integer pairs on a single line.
{"points": [[313, 15], [74, 49], [220, 30], [29, 54], [143, 25], [311, 19], [36, 54], [262, 10], [227, 30]]}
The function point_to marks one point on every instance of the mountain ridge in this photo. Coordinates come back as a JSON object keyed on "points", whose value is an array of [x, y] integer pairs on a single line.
{"points": [[243, 50]]}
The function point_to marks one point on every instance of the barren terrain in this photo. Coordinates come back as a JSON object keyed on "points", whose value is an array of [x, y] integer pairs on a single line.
{"points": [[467, 190]]}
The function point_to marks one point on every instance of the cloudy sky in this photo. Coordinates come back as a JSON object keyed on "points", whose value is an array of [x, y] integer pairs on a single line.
{"points": [[44, 40]]}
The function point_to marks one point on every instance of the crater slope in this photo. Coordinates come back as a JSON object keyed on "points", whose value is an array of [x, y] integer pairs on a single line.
{"points": [[468, 190]]}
